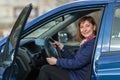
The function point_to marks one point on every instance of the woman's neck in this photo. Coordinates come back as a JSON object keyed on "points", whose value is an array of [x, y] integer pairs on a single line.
{"points": [[87, 39], [90, 37]]}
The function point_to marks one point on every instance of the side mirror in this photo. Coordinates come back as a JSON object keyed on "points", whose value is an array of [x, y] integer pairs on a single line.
{"points": [[62, 37]]}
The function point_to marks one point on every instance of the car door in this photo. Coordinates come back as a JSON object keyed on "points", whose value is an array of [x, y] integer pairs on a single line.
{"points": [[10, 51], [107, 63]]}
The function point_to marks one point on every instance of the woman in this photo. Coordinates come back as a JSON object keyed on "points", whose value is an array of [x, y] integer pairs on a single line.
{"points": [[72, 67]]}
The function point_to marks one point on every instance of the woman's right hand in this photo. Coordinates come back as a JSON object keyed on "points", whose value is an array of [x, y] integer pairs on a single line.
{"points": [[56, 43]]}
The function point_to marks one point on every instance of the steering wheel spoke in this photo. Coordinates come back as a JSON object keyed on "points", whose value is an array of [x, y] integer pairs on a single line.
{"points": [[51, 51]]}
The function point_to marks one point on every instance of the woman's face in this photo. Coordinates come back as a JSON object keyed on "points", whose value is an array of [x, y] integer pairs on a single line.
{"points": [[86, 29]]}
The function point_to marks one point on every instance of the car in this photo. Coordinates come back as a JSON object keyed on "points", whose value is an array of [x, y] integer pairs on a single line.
{"points": [[23, 52]]}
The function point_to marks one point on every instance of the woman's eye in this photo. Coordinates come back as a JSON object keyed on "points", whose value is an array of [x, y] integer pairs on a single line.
{"points": [[87, 25]]}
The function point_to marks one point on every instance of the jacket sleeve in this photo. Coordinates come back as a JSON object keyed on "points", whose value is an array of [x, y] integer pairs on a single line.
{"points": [[82, 57], [66, 53]]}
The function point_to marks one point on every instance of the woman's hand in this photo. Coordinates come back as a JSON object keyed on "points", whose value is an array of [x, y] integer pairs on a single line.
{"points": [[60, 45], [51, 60]]}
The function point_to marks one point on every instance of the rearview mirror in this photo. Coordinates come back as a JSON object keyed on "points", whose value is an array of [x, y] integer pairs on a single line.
{"points": [[62, 37]]}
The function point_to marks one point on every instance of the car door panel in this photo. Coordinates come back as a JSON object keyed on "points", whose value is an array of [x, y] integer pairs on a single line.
{"points": [[108, 66]]}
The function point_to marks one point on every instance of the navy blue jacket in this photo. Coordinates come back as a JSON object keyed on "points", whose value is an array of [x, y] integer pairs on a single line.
{"points": [[78, 64]]}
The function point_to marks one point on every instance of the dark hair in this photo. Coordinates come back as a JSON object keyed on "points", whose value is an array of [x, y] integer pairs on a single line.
{"points": [[91, 20]]}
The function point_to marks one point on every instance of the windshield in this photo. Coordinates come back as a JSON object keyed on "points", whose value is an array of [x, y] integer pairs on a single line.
{"points": [[47, 27]]}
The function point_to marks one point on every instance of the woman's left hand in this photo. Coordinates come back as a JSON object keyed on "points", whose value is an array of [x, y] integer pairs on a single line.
{"points": [[51, 60]]}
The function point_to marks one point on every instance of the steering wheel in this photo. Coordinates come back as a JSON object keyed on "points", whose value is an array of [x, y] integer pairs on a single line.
{"points": [[51, 51]]}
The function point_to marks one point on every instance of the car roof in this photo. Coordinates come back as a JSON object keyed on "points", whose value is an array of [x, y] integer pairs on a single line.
{"points": [[69, 5]]}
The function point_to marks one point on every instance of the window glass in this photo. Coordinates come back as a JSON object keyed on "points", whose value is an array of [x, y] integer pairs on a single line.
{"points": [[45, 28], [115, 35], [34, 12]]}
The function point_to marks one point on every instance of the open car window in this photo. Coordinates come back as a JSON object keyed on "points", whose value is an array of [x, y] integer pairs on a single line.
{"points": [[13, 40], [65, 23]]}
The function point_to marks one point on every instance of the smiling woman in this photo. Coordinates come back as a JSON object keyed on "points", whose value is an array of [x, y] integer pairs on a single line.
{"points": [[73, 67]]}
